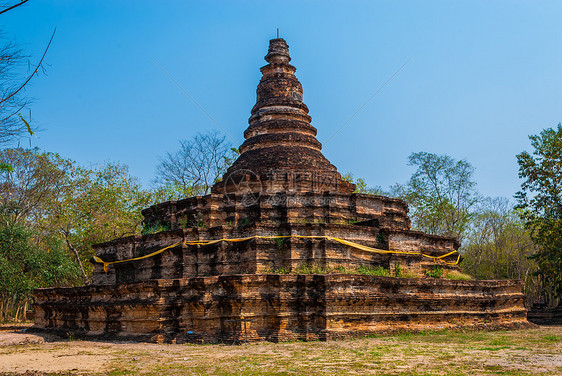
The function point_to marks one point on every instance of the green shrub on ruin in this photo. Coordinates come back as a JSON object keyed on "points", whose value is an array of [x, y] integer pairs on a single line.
{"points": [[434, 272]]}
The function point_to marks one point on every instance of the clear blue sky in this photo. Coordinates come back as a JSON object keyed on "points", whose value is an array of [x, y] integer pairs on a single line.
{"points": [[483, 76]]}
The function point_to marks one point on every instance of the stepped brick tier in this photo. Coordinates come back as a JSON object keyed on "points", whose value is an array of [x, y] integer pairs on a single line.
{"points": [[278, 307], [280, 185]]}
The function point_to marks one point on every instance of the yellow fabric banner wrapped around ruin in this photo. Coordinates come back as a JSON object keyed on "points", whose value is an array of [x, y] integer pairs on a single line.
{"points": [[341, 241]]}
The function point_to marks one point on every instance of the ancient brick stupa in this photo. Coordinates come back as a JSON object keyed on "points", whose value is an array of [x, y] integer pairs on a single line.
{"points": [[227, 265]]}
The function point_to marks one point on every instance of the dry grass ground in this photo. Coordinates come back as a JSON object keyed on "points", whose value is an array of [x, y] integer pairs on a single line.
{"points": [[525, 352]]}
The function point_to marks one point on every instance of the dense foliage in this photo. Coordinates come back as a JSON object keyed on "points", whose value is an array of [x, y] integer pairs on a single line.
{"points": [[96, 205], [443, 200], [540, 201], [499, 246], [26, 265], [52, 211]]}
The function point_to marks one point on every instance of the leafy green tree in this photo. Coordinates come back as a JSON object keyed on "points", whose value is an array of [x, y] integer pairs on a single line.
{"points": [[25, 266], [96, 206], [361, 185], [33, 179], [499, 246], [173, 190], [58, 199], [540, 200], [4, 167], [441, 194]]}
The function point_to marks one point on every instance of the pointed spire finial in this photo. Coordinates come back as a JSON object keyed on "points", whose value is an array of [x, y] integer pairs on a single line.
{"points": [[277, 32], [280, 137], [278, 51]]}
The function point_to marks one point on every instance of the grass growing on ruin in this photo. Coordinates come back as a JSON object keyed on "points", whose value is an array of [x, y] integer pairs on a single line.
{"points": [[373, 270], [457, 276], [525, 352], [320, 269]]}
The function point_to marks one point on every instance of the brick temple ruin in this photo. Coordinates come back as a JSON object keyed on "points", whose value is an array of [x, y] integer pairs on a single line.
{"points": [[280, 207]]}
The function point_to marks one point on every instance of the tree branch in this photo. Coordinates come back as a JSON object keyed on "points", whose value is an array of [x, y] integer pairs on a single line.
{"points": [[34, 72], [14, 6]]}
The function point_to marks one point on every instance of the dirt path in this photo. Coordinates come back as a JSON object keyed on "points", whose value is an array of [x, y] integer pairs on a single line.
{"points": [[525, 352]]}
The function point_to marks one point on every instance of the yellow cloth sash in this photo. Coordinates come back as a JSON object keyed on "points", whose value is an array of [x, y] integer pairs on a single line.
{"points": [[341, 241]]}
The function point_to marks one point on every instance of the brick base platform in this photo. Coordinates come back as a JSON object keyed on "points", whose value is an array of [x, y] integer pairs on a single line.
{"points": [[277, 307]]}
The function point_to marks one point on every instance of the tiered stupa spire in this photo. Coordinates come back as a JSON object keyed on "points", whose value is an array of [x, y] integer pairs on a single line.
{"points": [[280, 137]]}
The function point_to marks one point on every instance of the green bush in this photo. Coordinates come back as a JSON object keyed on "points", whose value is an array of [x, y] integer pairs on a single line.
{"points": [[434, 272], [153, 228]]}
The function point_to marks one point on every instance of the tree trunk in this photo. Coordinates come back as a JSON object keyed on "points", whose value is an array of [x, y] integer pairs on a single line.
{"points": [[24, 317], [75, 251], [16, 316], [2, 308]]}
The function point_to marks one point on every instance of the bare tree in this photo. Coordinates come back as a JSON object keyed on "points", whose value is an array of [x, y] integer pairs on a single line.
{"points": [[13, 83], [195, 167], [11, 61]]}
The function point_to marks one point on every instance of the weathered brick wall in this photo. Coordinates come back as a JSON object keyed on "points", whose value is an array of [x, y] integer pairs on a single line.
{"points": [[261, 255], [414, 241], [278, 307], [220, 208]]}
